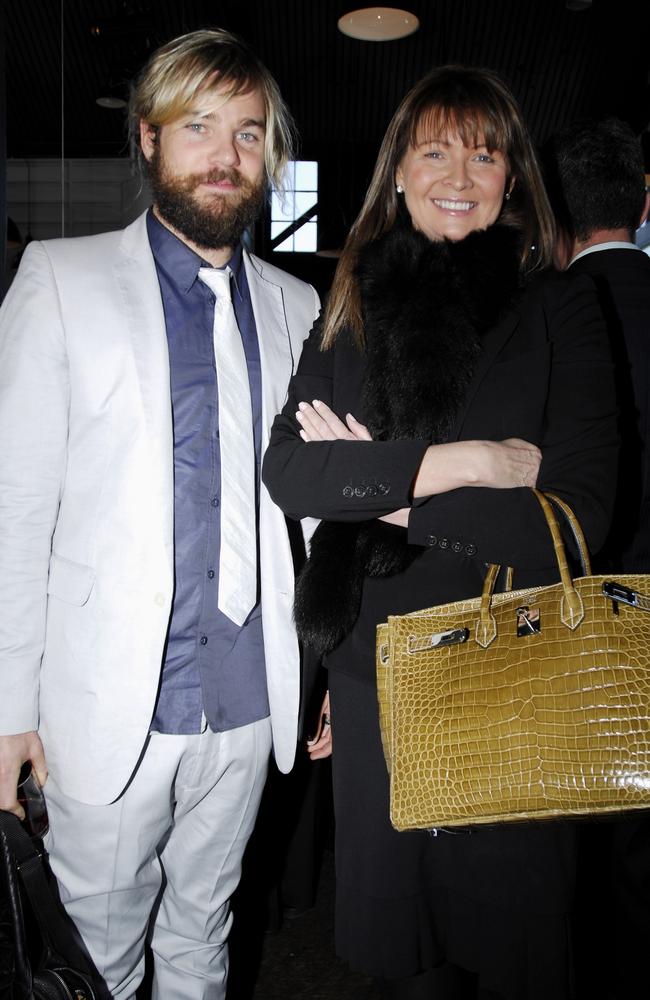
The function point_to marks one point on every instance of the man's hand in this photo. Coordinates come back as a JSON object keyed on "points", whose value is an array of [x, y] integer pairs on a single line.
{"points": [[319, 423], [14, 751], [321, 743]]}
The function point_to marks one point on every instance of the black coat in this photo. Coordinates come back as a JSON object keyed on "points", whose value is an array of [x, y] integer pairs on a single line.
{"points": [[543, 374], [534, 364], [622, 279]]}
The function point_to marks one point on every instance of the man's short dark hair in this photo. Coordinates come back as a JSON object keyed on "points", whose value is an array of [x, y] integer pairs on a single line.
{"points": [[595, 177]]}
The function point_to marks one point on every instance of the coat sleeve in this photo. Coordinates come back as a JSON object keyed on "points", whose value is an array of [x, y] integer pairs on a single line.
{"points": [[34, 400], [334, 480], [579, 444]]}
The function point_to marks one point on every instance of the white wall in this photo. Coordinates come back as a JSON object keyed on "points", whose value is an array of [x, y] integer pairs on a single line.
{"points": [[98, 195]]}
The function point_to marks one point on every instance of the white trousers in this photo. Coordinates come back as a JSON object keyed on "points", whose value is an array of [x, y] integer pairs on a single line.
{"points": [[165, 857]]}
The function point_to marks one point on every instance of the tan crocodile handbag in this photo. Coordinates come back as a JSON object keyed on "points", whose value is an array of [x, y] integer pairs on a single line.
{"points": [[527, 704]]}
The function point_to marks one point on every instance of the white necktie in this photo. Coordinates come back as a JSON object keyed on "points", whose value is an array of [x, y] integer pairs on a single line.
{"points": [[238, 553]]}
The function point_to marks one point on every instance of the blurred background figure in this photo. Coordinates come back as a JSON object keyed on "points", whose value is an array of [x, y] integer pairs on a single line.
{"points": [[597, 186]]}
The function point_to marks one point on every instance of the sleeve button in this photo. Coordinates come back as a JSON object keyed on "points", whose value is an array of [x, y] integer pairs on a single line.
{"points": [[383, 489], [360, 491], [457, 546], [470, 549], [371, 491], [348, 492], [431, 539], [444, 543]]}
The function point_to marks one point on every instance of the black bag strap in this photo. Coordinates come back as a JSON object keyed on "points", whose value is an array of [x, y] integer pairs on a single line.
{"points": [[57, 930]]}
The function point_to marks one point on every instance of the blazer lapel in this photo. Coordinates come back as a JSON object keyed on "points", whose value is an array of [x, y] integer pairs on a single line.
{"points": [[493, 342], [136, 276], [276, 356]]}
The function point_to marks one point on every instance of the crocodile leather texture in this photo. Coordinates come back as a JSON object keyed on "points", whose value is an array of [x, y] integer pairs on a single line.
{"points": [[528, 704]]}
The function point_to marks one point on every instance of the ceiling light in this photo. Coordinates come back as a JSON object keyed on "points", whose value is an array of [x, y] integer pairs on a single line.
{"points": [[378, 24], [110, 102]]}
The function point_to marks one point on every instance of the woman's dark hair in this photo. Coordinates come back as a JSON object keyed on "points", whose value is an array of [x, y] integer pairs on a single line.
{"points": [[469, 102]]}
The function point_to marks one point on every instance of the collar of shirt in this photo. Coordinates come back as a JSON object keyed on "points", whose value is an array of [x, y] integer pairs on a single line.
{"points": [[613, 245], [179, 262]]}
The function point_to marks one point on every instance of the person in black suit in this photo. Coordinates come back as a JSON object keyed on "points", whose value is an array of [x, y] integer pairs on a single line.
{"points": [[596, 180], [440, 374]]}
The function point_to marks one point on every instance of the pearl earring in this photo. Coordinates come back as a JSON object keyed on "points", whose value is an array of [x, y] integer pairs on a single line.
{"points": [[399, 189], [507, 196]]}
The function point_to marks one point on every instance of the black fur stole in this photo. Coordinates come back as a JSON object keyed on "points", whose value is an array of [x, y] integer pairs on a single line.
{"points": [[425, 308]]}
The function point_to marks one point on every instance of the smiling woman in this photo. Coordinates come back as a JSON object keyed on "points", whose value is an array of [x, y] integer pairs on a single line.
{"points": [[451, 189], [443, 380]]}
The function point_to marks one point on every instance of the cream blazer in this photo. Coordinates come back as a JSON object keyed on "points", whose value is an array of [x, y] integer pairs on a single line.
{"points": [[86, 502]]}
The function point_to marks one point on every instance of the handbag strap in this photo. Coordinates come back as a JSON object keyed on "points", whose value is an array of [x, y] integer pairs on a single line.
{"points": [[576, 530], [578, 537], [57, 931], [571, 606]]}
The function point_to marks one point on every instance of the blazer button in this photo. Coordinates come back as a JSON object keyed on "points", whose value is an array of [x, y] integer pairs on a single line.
{"points": [[360, 491], [431, 539], [444, 543], [348, 492], [383, 489], [457, 546], [470, 549]]}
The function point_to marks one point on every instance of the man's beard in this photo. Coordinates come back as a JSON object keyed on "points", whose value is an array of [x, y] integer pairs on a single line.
{"points": [[215, 222]]}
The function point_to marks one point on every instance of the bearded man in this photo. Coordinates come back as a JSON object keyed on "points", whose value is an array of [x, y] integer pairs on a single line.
{"points": [[147, 655]]}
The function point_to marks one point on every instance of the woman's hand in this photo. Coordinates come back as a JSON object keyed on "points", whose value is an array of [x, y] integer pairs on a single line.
{"points": [[507, 464], [497, 464], [321, 743], [319, 423]]}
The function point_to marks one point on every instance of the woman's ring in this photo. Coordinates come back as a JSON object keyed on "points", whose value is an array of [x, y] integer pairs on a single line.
{"points": [[326, 720]]}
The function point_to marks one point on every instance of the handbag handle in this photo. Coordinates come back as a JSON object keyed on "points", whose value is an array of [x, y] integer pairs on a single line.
{"points": [[571, 607]]}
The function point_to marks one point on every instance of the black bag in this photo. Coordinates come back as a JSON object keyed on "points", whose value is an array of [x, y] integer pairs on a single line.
{"points": [[42, 956]]}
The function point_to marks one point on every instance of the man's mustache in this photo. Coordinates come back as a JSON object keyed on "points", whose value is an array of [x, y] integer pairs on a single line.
{"points": [[214, 177], [232, 176]]}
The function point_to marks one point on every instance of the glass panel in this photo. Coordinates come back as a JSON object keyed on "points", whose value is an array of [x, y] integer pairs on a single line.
{"points": [[286, 246], [283, 207], [277, 228], [306, 175], [304, 200], [305, 238]]}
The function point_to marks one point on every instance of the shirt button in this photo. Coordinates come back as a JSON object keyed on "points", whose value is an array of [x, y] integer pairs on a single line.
{"points": [[204, 640], [215, 501], [431, 539], [457, 546], [348, 492], [470, 549], [444, 543], [159, 599], [210, 574]]}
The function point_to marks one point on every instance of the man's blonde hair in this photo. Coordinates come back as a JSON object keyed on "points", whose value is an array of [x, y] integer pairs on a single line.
{"points": [[179, 73]]}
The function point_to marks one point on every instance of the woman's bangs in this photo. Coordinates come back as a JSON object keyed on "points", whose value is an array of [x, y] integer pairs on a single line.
{"points": [[474, 125]]}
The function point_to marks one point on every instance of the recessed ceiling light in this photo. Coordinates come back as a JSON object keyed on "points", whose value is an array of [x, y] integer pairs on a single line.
{"points": [[378, 24], [110, 102]]}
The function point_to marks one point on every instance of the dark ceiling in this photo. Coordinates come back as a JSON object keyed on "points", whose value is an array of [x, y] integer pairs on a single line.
{"points": [[561, 63]]}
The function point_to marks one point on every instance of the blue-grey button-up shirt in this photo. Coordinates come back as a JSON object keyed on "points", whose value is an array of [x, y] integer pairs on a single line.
{"points": [[211, 667]]}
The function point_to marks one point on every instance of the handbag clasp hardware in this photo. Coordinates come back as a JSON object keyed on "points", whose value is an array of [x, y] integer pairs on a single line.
{"points": [[528, 621], [618, 593], [417, 644]]}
